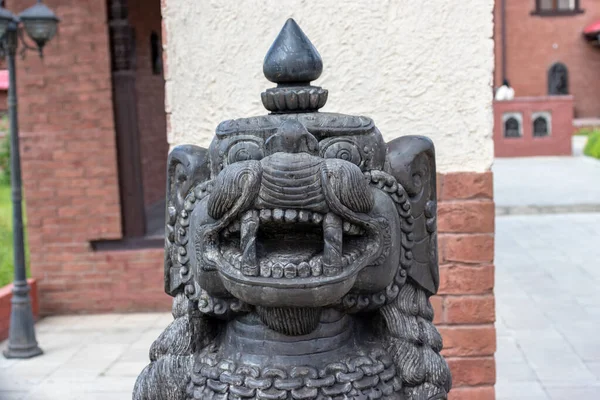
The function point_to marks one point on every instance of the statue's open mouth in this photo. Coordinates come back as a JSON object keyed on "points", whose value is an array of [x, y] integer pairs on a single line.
{"points": [[294, 249], [290, 222], [292, 245]]}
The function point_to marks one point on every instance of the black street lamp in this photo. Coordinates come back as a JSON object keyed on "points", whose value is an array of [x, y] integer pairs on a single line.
{"points": [[40, 24]]}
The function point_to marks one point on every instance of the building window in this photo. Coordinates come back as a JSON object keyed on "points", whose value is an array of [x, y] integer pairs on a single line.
{"points": [[542, 123], [513, 124], [558, 80], [540, 127], [511, 128], [557, 7]]}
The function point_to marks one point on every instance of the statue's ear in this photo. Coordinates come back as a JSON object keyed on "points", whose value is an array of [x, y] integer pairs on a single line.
{"points": [[412, 163], [187, 167]]}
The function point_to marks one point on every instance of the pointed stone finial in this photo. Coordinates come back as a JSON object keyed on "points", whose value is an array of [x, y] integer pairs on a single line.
{"points": [[292, 58], [292, 62]]}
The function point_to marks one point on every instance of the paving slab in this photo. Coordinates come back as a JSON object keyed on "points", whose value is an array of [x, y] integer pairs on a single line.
{"points": [[541, 185], [91, 357], [548, 306]]}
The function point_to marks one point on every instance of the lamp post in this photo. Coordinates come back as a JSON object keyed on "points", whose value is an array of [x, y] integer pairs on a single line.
{"points": [[40, 24]]}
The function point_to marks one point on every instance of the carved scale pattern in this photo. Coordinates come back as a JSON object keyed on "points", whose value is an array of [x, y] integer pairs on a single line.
{"points": [[363, 377]]}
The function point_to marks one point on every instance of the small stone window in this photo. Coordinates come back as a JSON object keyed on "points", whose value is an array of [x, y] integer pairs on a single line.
{"points": [[542, 124], [513, 125], [558, 80]]}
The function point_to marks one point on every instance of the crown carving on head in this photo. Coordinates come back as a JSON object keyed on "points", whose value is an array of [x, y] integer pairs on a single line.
{"points": [[292, 63]]}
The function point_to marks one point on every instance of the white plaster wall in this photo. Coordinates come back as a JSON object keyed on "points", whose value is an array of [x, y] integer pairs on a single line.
{"points": [[414, 66]]}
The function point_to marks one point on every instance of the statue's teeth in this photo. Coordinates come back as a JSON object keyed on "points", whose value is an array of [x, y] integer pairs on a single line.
{"points": [[332, 248], [351, 229], [266, 215], [290, 215], [316, 266], [346, 226], [249, 227], [352, 256], [303, 270], [277, 270], [289, 271], [265, 268], [317, 218], [304, 216]]}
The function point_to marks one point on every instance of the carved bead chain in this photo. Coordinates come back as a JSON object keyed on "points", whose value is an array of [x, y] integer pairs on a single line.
{"points": [[363, 377], [359, 303]]}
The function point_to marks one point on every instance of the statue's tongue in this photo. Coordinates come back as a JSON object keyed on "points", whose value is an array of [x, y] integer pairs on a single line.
{"points": [[290, 321]]}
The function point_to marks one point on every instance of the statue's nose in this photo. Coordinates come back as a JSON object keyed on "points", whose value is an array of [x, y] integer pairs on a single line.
{"points": [[292, 137]]}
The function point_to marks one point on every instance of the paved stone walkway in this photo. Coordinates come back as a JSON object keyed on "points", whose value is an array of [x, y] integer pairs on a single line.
{"points": [[548, 312], [548, 307]]}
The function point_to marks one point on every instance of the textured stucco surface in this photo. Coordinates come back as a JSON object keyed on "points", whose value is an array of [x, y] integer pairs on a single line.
{"points": [[414, 67]]}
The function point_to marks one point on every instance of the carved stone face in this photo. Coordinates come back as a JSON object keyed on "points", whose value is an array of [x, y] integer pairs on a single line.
{"points": [[290, 208]]}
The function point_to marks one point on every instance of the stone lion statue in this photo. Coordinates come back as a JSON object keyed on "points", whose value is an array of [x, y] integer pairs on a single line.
{"points": [[301, 252]]}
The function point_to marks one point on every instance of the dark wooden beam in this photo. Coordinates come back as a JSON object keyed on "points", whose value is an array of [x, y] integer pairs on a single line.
{"points": [[122, 48]]}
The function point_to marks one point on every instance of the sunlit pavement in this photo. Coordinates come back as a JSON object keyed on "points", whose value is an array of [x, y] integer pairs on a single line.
{"points": [[93, 357]]}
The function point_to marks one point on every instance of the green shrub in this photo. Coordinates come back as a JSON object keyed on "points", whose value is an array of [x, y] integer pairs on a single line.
{"points": [[4, 152], [592, 147], [585, 131], [5, 160], [6, 237]]}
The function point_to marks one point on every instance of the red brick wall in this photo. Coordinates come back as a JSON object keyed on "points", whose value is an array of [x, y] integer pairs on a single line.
{"points": [[464, 306], [70, 172], [534, 43], [558, 143], [145, 17]]}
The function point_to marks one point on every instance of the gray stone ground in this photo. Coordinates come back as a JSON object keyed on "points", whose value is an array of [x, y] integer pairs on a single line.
{"points": [[546, 185], [547, 277]]}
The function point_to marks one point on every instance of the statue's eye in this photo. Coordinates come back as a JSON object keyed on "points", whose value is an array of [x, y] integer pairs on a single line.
{"points": [[244, 151], [343, 150]]}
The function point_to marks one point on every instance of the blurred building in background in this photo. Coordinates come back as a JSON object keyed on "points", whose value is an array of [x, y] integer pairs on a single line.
{"points": [[543, 49], [549, 52]]}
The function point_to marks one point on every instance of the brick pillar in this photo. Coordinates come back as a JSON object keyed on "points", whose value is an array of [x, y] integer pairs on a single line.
{"points": [[465, 302]]}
